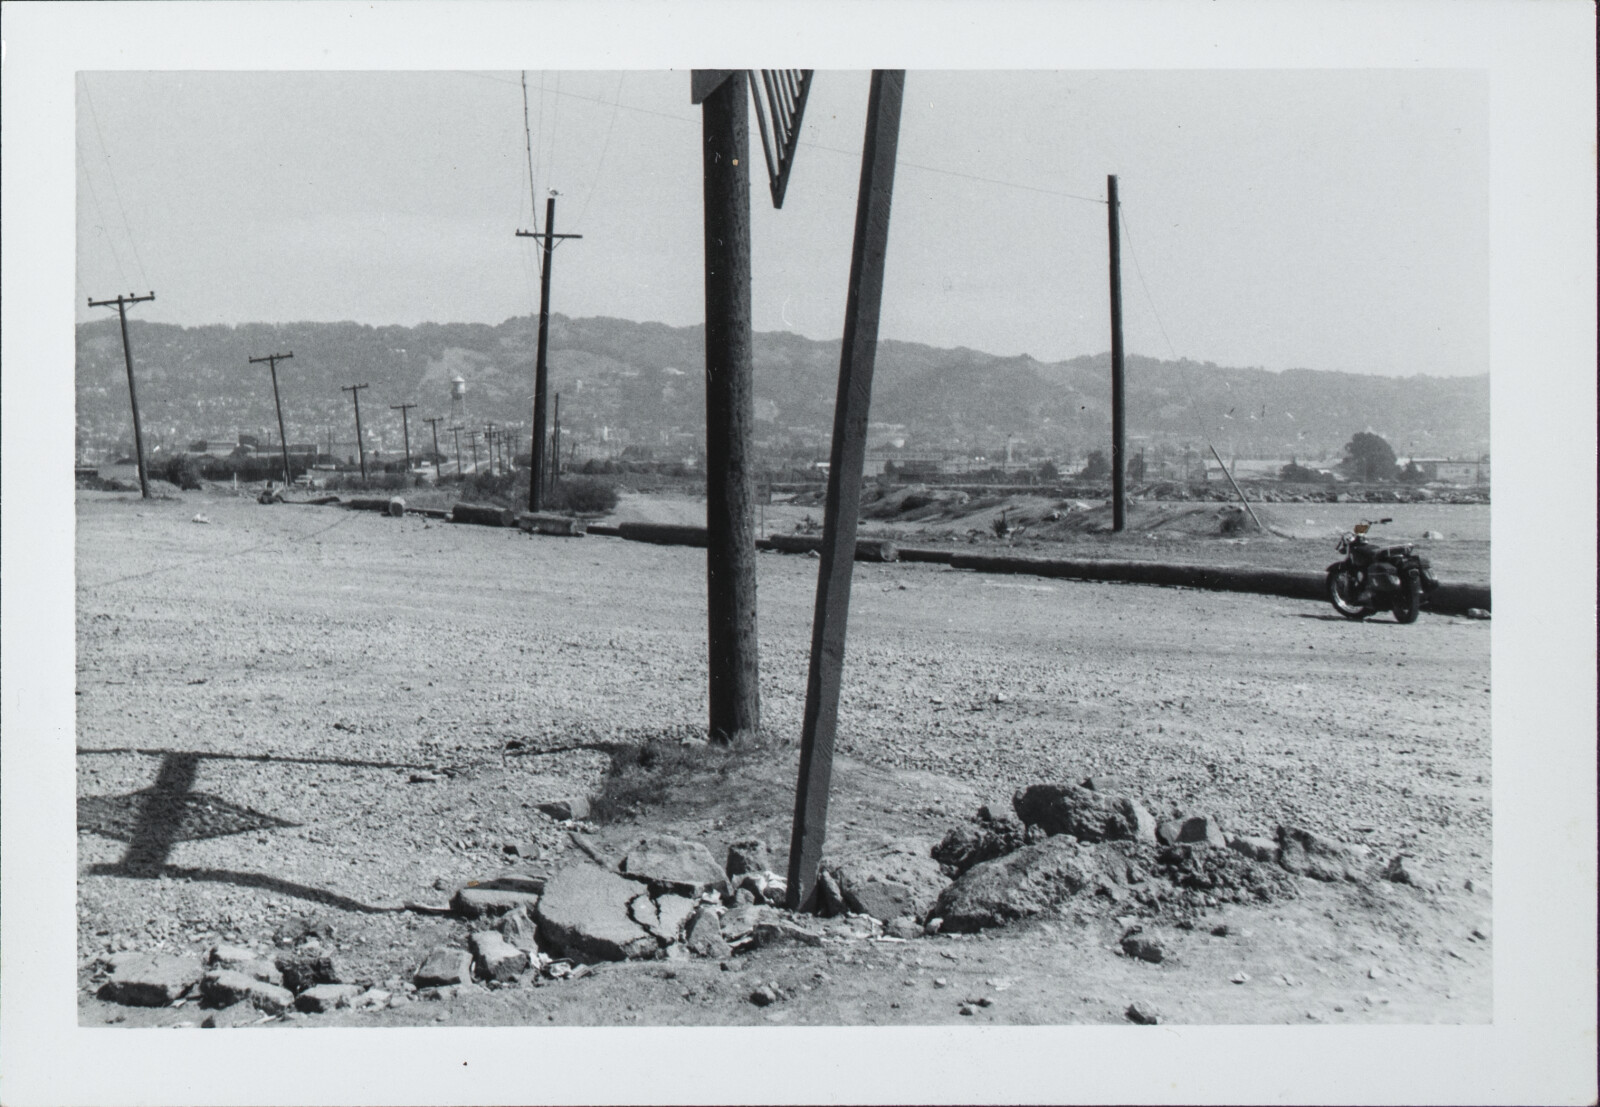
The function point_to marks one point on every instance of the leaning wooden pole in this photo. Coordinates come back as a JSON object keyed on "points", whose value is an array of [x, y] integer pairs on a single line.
{"points": [[843, 501], [1236, 489], [732, 655], [1119, 453]]}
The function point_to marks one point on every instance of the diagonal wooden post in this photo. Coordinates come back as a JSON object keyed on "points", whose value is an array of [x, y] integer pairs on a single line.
{"points": [[844, 484]]}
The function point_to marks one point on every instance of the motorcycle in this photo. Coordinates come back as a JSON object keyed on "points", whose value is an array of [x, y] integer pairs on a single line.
{"points": [[1374, 578]]}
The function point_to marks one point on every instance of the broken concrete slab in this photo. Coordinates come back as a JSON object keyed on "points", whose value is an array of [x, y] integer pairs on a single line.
{"points": [[1086, 814], [301, 971], [519, 930], [1031, 881], [774, 929], [672, 913], [584, 914], [224, 988], [444, 967], [738, 922], [675, 865], [1257, 849], [150, 979], [326, 997], [476, 902], [496, 958]]}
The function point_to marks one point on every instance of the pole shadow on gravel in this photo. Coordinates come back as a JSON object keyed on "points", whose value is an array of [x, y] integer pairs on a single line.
{"points": [[153, 820]]}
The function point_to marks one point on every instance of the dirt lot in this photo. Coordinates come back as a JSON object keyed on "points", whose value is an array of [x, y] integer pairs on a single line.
{"points": [[282, 673]]}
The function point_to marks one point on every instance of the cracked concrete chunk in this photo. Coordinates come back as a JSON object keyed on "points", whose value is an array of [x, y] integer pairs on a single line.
{"points": [[675, 865], [1028, 882], [150, 979], [584, 914]]}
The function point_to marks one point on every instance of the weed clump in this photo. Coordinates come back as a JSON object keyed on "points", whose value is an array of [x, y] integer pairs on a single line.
{"points": [[658, 770]]}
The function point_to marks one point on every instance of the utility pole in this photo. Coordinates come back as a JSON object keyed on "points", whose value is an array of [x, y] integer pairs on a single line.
{"points": [[355, 394], [456, 430], [1118, 406], [856, 360], [555, 446], [121, 304], [472, 437], [488, 443], [541, 374], [405, 430], [433, 423], [283, 439], [732, 654]]}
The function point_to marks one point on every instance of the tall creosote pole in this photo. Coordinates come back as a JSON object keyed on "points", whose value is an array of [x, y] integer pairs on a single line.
{"points": [[732, 655], [405, 430], [283, 439], [541, 373], [555, 446], [856, 360], [361, 446], [1118, 406], [121, 304], [456, 430], [472, 438]]}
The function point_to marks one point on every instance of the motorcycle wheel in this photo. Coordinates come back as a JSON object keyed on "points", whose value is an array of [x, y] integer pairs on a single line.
{"points": [[1409, 604], [1341, 593]]}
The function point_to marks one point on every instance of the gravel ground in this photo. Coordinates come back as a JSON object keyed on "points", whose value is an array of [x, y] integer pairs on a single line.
{"points": [[294, 669]]}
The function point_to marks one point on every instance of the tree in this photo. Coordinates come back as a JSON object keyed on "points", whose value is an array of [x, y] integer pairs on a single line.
{"points": [[1048, 471], [1413, 474], [1095, 466], [1295, 473], [1368, 457]]}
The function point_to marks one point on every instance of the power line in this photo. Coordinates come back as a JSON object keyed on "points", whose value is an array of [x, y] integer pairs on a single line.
{"points": [[527, 135], [116, 194], [604, 147]]}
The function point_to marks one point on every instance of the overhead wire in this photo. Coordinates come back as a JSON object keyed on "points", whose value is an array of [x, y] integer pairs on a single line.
{"points": [[604, 147], [116, 193]]}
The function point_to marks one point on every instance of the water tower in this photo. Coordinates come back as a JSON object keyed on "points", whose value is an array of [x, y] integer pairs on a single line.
{"points": [[458, 401]]}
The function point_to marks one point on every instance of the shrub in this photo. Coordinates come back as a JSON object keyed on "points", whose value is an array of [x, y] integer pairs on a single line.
{"points": [[583, 496]]}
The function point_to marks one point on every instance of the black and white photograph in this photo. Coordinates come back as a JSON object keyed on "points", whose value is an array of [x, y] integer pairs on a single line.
{"points": [[575, 555]]}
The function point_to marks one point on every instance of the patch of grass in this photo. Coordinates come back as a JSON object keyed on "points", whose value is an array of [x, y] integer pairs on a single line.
{"points": [[661, 770]]}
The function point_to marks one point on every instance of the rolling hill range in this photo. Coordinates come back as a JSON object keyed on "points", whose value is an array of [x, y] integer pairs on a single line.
{"points": [[643, 382]]}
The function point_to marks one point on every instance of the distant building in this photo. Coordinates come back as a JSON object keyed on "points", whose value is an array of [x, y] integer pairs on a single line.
{"points": [[1450, 470]]}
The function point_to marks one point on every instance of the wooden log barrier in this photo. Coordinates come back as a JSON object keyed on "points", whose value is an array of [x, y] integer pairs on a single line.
{"points": [[919, 553], [484, 515], [394, 505], [663, 534], [605, 529], [1447, 599], [867, 549], [562, 526]]}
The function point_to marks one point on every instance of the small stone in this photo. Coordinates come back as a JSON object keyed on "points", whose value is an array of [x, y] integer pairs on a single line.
{"points": [[1257, 849], [744, 897], [567, 810], [1477, 613], [985, 1001], [150, 980], [443, 967], [326, 997], [1145, 1014], [829, 896], [373, 997], [1143, 948], [1404, 870], [301, 971], [1240, 978], [1375, 973], [968, 1009], [1302, 852], [904, 926], [940, 982], [748, 856], [225, 987], [771, 931], [763, 996], [239, 1014], [738, 922], [933, 926], [1220, 930]]}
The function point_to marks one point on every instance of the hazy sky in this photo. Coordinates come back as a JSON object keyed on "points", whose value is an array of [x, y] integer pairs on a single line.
{"points": [[1327, 219]]}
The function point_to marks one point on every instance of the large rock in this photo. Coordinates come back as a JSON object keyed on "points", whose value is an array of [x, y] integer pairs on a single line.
{"points": [[224, 988], [151, 979], [965, 846], [444, 966], [703, 935], [1086, 814], [497, 959], [584, 914], [895, 879], [325, 997], [1308, 854], [748, 856], [1257, 849], [1031, 881], [245, 960], [304, 970], [675, 865], [1190, 830]]}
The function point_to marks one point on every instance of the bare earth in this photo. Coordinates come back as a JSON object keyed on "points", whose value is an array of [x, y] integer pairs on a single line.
{"points": [[294, 667]]}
